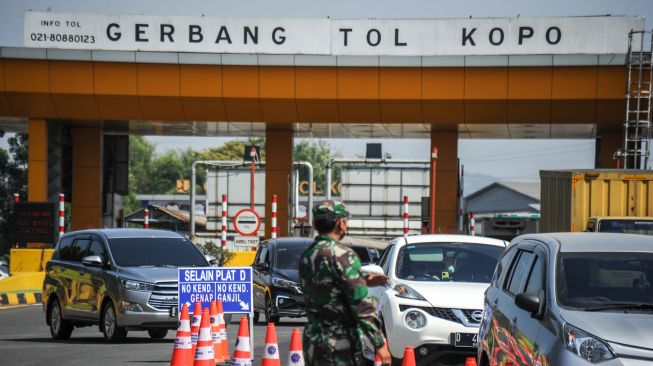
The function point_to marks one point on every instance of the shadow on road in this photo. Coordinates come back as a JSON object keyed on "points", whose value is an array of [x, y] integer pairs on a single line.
{"points": [[90, 340]]}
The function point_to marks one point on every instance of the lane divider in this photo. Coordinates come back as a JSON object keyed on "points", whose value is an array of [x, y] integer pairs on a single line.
{"points": [[20, 298]]}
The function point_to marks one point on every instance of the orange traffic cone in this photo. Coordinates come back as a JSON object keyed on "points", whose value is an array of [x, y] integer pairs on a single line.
{"points": [[470, 361], [242, 353], [215, 333], [377, 359], [409, 357], [223, 332], [204, 355], [195, 321], [182, 354], [271, 351], [296, 356]]}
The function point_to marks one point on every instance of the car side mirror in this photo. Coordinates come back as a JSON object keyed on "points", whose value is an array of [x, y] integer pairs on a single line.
{"points": [[92, 261], [372, 269], [263, 266], [528, 302], [211, 259]]}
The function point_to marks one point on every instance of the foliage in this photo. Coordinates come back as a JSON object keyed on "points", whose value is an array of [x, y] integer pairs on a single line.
{"points": [[318, 154], [211, 248], [152, 173], [13, 179]]}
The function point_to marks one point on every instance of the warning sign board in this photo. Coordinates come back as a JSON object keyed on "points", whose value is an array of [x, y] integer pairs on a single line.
{"points": [[247, 222]]}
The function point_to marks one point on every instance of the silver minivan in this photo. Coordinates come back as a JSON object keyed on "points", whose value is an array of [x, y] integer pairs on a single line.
{"points": [[119, 279], [570, 299]]}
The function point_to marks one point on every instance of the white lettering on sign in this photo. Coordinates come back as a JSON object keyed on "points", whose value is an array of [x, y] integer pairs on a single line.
{"points": [[399, 37]]}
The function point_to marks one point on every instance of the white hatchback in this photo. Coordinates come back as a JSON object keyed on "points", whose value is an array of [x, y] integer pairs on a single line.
{"points": [[434, 300]]}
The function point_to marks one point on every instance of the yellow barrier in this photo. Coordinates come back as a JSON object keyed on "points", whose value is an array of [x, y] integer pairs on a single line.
{"points": [[23, 281], [29, 260], [241, 259]]}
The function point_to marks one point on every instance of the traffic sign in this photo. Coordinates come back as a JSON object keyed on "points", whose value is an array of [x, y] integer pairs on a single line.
{"points": [[247, 222], [232, 285]]}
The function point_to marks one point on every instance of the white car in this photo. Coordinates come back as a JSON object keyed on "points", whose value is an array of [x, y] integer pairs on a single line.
{"points": [[434, 298]]}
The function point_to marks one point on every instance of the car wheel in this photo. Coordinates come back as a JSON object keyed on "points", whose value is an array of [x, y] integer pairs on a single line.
{"points": [[257, 315], [59, 327], [157, 333], [112, 332], [269, 318]]}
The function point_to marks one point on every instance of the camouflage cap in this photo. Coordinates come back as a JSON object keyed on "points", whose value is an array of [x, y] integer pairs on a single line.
{"points": [[330, 209]]}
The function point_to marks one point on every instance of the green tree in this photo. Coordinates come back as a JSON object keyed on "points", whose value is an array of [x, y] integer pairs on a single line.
{"points": [[13, 179], [141, 154], [233, 150], [317, 154]]}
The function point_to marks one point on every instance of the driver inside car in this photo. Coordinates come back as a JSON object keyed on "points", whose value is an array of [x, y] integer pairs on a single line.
{"points": [[423, 270]]}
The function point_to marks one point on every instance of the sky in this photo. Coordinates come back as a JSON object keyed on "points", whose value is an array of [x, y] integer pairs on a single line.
{"points": [[485, 160]]}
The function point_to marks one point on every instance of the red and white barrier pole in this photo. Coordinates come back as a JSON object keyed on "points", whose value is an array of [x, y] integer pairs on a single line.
{"points": [[273, 230], [472, 222], [405, 215], [62, 213], [16, 197], [224, 221], [434, 173], [461, 201], [146, 222]]}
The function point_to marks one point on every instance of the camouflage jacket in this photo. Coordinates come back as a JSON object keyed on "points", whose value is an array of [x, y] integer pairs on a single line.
{"points": [[339, 310]]}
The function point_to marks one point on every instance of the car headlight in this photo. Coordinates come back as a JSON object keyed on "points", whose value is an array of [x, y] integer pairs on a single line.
{"points": [[280, 282], [136, 285], [407, 292], [586, 346], [415, 319]]}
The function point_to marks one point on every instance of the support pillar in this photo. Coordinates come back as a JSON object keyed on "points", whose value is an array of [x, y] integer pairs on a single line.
{"points": [[607, 143], [446, 180], [37, 168], [278, 167], [87, 178]]}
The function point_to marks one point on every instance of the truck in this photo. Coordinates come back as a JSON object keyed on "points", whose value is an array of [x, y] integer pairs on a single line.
{"points": [[570, 198]]}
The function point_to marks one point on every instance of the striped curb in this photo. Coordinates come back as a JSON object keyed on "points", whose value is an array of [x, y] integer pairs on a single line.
{"points": [[20, 298]]}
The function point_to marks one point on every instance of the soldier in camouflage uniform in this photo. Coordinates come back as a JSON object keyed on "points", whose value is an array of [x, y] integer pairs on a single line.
{"points": [[339, 310]]}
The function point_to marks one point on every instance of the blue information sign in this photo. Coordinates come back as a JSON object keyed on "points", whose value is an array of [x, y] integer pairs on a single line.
{"points": [[232, 285]]}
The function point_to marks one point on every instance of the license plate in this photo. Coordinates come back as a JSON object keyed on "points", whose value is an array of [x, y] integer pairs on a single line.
{"points": [[173, 312], [465, 339]]}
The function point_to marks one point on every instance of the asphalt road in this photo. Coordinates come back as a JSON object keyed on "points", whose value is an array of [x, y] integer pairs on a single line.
{"points": [[25, 340]]}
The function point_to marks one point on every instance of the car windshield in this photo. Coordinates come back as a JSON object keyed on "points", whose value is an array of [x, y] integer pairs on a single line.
{"points": [[643, 227], [287, 256], [600, 280], [156, 252], [453, 262]]}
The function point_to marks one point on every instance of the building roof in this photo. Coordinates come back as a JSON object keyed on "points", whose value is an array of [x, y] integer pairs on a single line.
{"points": [[529, 189], [180, 215]]}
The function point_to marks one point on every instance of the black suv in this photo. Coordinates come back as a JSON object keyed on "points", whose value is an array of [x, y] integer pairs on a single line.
{"points": [[276, 279]]}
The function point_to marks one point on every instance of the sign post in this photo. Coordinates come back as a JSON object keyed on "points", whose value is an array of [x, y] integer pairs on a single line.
{"points": [[232, 285]]}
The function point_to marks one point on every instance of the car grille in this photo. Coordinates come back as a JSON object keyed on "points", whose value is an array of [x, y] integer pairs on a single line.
{"points": [[443, 313], [468, 315], [164, 295]]}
